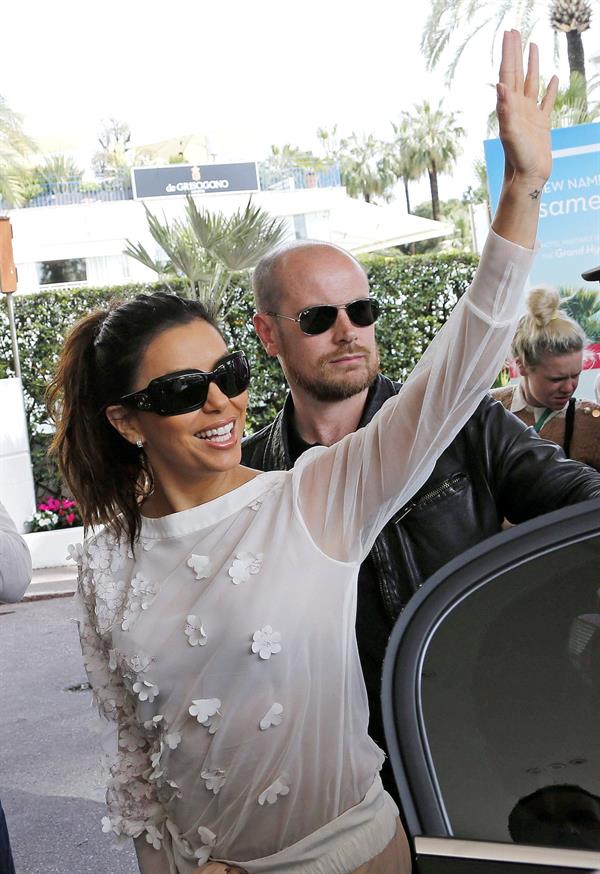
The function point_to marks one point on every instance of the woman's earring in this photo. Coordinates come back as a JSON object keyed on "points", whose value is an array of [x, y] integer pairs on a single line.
{"points": [[139, 443]]}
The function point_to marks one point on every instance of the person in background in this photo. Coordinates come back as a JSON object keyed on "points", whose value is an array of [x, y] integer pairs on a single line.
{"points": [[548, 349], [15, 576]]}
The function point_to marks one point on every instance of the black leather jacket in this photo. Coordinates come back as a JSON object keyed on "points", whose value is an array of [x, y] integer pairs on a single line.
{"points": [[495, 468]]}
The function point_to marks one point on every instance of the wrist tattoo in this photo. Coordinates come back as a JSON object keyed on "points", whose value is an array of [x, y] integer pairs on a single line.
{"points": [[534, 195]]}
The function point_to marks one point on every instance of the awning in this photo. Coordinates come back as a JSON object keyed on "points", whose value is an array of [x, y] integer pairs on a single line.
{"points": [[365, 227]]}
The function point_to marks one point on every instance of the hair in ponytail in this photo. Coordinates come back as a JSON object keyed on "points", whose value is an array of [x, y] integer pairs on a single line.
{"points": [[546, 329], [107, 475]]}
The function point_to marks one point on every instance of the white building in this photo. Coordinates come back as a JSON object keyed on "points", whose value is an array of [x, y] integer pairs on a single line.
{"points": [[78, 237]]}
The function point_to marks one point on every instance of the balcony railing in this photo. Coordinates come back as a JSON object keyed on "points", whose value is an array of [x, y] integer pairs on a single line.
{"points": [[74, 191], [292, 178]]}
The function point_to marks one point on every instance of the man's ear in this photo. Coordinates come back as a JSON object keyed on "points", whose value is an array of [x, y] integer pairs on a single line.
{"points": [[267, 334], [523, 370], [125, 422]]}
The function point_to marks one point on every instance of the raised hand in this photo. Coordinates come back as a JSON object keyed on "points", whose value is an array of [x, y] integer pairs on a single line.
{"points": [[524, 124]]}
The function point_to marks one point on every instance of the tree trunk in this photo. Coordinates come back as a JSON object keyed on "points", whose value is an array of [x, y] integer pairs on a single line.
{"points": [[576, 57], [433, 186], [405, 181], [367, 196]]}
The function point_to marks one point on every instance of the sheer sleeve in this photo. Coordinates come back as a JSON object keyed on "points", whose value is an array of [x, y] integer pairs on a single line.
{"points": [[344, 494], [133, 807]]}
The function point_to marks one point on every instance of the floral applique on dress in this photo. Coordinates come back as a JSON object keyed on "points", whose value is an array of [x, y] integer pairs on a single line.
{"points": [[244, 565], [278, 787], [194, 631], [200, 564], [207, 712], [214, 779], [266, 642], [209, 839], [273, 717], [141, 594]]}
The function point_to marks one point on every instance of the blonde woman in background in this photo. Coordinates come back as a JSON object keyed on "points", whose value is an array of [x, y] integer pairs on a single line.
{"points": [[548, 349]]}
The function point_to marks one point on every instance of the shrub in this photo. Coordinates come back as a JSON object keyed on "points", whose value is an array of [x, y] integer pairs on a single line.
{"points": [[53, 514], [417, 294]]}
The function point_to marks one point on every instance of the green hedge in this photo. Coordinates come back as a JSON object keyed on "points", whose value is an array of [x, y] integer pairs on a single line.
{"points": [[417, 294]]}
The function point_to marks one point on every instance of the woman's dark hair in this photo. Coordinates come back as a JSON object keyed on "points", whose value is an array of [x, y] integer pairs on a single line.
{"points": [[107, 475]]}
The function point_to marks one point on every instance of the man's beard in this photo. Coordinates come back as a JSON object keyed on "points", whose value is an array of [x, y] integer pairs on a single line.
{"points": [[323, 388]]}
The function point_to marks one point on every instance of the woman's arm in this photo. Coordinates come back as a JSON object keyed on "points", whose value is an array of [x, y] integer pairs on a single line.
{"points": [[347, 492], [134, 810]]}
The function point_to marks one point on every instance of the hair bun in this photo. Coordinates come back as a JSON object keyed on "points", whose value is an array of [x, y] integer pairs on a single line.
{"points": [[543, 305]]}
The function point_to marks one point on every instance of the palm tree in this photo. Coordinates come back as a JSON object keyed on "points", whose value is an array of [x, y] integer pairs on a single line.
{"points": [[436, 136], [466, 18], [365, 167], [583, 305], [572, 17], [570, 107], [56, 171], [404, 155], [572, 104], [208, 249], [15, 147]]}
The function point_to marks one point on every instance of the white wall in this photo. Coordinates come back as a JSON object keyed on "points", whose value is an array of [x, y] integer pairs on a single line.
{"points": [[16, 480], [98, 231]]}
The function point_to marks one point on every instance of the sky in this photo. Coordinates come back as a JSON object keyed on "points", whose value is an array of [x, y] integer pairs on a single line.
{"points": [[245, 74]]}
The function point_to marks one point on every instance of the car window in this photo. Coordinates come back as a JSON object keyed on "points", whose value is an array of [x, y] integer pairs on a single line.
{"points": [[511, 703]]}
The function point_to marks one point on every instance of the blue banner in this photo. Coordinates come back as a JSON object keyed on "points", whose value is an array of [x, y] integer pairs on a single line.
{"points": [[569, 231]]}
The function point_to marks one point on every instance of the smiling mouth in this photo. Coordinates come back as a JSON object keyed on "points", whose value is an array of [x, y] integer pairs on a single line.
{"points": [[222, 434]]}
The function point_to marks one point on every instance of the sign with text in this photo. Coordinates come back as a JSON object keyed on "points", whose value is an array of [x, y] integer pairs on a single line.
{"points": [[177, 180], [569, 229]]}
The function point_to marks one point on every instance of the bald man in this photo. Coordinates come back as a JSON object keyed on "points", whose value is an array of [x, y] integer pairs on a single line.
{"points": [[495, 468]]}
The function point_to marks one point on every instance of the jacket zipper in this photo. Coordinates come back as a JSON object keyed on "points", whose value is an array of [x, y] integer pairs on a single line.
{"points": [[430, 495]]}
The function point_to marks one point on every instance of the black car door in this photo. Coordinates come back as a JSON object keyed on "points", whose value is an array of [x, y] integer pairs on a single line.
{"points": [[491, 702]]}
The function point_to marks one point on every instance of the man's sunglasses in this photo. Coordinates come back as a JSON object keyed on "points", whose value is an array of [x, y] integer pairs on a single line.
{"points": [[187, 390], [318, 319]]}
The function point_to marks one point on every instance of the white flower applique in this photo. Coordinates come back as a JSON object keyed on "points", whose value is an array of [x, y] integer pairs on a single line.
{"points": [[280, 786], [256, 505], [245, 564], [147, 545], [75, 553], [207, 712], [209, 839], [194, 631], [141, 594], [131, 739], [266, 642], [154, 723], [145, 690], [112, 660], [273, 717], [214, 779], [153, 836], [173, 739], [104, 554], [155, 758], [200, 564]]}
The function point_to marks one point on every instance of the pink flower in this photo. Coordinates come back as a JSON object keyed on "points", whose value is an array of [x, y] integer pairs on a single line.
{"points": [[43, 507], [71, 518]]}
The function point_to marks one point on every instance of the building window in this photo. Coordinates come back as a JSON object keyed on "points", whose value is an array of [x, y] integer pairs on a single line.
{"points": [[300, 227], [61, 272]]}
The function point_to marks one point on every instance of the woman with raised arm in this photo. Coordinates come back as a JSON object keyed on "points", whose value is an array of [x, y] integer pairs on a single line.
{"points": [[217, 604]]}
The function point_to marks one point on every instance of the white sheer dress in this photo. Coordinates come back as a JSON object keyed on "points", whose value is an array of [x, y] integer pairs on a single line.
{"points": [[224, 650]]}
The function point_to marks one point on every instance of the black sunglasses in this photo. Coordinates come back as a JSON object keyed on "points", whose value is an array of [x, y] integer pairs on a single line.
{"points": [[187, 390], [318, 319]]}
